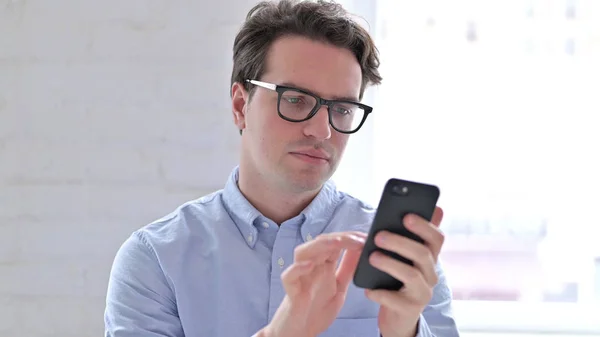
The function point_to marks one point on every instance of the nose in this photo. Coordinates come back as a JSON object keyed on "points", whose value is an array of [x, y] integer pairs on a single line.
{"points": [[318, 126]]}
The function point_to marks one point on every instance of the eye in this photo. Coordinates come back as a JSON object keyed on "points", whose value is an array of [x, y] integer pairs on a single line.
{"points": [[342, 110], [294, 99]]}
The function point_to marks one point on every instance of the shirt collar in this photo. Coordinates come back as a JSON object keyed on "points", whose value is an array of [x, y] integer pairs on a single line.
{"points": [[313, 219], [319, 212]]}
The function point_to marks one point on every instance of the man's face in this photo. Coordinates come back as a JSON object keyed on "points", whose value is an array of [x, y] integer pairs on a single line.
{"points": [[284, 152]]}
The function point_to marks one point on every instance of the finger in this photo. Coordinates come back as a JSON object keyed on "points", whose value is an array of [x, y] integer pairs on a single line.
{"points": [[419, 254], [327, 246], [332, 262], [292, 275], [438, 215], [415, 286], [393, 300], [348, 233], [360, 234], [317, 251], [336, 256], [432, 235], [346, 269]]}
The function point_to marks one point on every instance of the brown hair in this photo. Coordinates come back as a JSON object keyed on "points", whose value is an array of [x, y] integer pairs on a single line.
{"points": [[318, 20]]}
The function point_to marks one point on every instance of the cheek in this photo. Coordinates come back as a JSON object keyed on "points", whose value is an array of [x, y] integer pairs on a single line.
{"points": [[339, 142], [273, 135]]}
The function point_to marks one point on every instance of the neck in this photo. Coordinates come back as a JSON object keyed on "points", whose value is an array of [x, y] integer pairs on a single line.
{"points": [[273, 202]]}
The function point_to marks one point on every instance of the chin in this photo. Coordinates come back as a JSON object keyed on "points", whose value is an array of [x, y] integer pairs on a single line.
{"points": [[307, 180]]}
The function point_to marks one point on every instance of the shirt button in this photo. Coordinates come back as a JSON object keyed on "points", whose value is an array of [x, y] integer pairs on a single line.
{"points": [[309, 237], [265, 225], [249, 238], [280, 262]]}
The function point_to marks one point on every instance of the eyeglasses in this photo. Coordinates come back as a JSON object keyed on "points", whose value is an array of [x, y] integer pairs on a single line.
{"points": [[297, 105]]}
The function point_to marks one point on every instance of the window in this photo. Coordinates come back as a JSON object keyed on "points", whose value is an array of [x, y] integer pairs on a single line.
{"points": [[496, 102]]}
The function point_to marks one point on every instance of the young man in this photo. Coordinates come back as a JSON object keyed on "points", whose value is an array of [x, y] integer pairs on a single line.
{"points": [[274, 252]]}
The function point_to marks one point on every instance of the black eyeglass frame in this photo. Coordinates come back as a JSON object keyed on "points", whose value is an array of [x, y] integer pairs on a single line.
{"points": [[280, 89]]}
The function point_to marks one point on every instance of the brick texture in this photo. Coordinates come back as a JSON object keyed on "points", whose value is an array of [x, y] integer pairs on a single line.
{"points": [[112, 113]]}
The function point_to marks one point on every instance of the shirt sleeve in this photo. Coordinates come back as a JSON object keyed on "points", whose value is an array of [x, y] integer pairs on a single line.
{"points": [[437, 319], [139, 300]]}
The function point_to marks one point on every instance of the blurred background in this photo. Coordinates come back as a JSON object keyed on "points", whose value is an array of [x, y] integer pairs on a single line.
{"points": [[112, 113]]}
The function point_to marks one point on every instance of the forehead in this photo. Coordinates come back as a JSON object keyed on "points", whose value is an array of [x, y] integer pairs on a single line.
{"points": [[322, 68]]}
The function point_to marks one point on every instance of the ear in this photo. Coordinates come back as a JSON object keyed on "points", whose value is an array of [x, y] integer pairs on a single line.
{"points": [[239, 100]]}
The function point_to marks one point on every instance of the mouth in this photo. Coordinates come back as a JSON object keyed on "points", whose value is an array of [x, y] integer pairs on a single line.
{"points": [[310, 158]]}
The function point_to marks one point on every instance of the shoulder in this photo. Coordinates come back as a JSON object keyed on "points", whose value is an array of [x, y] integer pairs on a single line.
{"points": [[352, 213], [168, 238], [351, 202], [174, 230]]}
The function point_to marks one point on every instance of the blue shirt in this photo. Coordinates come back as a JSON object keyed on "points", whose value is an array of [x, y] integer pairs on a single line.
{"points": [[212, 268]]}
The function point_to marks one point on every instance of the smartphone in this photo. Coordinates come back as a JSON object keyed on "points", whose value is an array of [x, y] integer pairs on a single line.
{"points": [[399, 198]]}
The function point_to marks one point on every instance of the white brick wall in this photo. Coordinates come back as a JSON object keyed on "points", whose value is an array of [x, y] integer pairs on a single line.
{"points": [[111, 114]]}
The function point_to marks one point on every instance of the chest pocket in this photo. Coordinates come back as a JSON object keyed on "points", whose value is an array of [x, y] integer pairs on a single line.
{"points": [[352, 327]]}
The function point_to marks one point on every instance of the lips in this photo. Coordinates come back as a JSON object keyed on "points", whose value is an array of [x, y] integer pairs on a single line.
{"points": [[314, 154]]}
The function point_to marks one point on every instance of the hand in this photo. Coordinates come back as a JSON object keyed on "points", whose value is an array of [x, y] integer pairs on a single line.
{"points": [[400, 310], [315, 290]]}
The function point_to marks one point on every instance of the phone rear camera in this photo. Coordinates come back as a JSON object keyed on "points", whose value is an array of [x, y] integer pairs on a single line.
{"points": [[400, 190]]}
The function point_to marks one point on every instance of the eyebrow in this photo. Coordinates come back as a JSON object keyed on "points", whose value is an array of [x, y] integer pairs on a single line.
{"points": [[335, 98]]}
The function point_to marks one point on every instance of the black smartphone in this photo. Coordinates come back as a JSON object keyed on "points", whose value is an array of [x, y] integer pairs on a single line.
{"points": [[399, 198]]}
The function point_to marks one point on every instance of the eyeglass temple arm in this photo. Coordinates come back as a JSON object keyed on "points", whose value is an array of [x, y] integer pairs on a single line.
{"points": [[263, 84]]}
